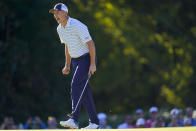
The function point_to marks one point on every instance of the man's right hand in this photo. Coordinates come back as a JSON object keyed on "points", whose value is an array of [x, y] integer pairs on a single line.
{"points": [[66, 70]]}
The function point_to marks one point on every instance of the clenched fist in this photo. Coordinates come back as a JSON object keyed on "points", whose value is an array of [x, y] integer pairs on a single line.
{"points": [[66, 70]]}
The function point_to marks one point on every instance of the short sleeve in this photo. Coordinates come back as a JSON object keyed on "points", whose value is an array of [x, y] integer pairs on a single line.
{"points": [[83, 32], [60, 37]]}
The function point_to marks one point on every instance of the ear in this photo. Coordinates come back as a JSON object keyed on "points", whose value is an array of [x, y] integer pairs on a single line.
{"points": [[65, 13]]}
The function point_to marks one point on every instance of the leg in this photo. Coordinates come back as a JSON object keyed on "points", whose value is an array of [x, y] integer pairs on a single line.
{"points": [[72, 123], [88, 101], [75, 94], [77, 85], [89, 105]]}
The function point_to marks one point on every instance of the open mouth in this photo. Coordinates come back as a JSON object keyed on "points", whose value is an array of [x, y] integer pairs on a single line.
{"points": [[58, 19]]}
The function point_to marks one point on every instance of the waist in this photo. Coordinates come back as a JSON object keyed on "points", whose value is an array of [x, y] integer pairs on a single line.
{"points": [[81, 56]]}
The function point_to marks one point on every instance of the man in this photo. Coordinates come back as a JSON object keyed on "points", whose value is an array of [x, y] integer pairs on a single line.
{"points": [[176, 120], [189, 120], [103, 121], [80, 51], [139, 118], [52, 124], [139, 113], [153, 111], [8, 123], [127, 124]]}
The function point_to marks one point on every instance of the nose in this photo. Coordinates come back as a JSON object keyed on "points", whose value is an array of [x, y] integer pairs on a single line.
{"points": [[55, 15]]}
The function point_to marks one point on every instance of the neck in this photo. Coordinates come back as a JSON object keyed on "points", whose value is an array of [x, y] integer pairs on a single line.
{"points": [[64, 23]]}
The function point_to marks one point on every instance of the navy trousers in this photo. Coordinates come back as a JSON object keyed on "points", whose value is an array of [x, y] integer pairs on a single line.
{"points": [[80, 67]]}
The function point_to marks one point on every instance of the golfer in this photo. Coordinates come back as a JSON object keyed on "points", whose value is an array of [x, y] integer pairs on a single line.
{"points": [[80, 52]]}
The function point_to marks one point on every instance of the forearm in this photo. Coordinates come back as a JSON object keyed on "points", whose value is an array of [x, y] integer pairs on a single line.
{"points": [[68, 61], [92, 52], [67, 57]]}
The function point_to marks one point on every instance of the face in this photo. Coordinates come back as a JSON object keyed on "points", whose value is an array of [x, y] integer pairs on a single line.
{"points": [[189, 112], [128, 120], [139, 115], [60, 16], [153, 115]]}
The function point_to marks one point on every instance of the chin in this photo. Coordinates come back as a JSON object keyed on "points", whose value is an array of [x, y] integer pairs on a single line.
{"points": [[60, 22]]}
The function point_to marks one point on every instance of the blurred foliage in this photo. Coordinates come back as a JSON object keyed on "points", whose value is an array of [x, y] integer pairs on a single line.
{"points": [[145, 50]]}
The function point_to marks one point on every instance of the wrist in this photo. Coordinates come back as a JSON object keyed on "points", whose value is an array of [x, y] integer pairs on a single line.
{"points": [[67, 65], [92, 64]]}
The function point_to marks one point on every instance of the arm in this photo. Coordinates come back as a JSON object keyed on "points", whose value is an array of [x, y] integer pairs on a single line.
{"points": [[67, 56], [66, 69], [92, 52], [83, 33]]}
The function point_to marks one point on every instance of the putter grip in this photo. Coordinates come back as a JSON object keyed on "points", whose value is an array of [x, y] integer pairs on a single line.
{"points": [[89, 75]]}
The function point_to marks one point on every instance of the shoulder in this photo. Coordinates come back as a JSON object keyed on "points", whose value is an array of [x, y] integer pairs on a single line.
{"points": [[77, 24], [123, 125]]}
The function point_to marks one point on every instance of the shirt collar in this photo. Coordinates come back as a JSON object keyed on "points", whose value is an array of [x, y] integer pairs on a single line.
{"points": [[68, 22]]}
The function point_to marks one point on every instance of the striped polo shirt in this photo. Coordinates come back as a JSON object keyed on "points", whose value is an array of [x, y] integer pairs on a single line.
{"points": [[75, 35]]}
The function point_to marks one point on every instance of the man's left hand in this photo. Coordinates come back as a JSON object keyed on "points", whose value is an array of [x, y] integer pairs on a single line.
{"points": [[92, 69]]}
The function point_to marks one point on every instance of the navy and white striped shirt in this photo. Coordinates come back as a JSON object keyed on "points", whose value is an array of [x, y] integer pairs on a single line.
{"points": [[75, 35]]}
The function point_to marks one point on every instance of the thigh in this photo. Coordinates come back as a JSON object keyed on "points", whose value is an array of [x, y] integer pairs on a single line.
{"points": [[81, 72]]}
